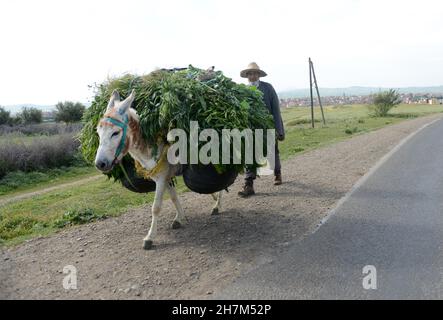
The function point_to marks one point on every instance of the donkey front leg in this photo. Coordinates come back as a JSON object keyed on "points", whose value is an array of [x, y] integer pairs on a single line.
{"points": [[179, 219], [217, 207], [156, 207]]}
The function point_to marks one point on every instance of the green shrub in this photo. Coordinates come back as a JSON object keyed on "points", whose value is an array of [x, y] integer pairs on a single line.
{"points": [[297, 149], [75, 217], [69, 111], [351, 131], [15, 226], [384, 102], [31, 115], [5, 116]]}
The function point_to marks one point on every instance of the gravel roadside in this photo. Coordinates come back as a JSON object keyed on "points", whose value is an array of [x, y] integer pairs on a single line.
{"points": [[210, 251]]}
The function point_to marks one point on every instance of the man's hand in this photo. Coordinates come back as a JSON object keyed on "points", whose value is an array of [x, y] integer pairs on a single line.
{"points": [[280, 137]]}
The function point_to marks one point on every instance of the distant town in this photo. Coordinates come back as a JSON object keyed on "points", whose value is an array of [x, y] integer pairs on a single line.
{"points": [[407, 98], [433, 97]]}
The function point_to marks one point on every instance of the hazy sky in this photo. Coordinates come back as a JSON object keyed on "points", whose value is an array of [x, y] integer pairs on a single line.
{"points": [[52, 50]]}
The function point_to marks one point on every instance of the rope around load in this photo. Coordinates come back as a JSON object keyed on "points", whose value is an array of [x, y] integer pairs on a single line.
{"points": [[161, 164]]}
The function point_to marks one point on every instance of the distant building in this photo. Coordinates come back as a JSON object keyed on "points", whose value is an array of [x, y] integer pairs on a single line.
{"points": [[48, 116], [407, 98]]}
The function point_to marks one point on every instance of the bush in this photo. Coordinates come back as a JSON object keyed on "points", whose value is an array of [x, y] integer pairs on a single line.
{"points": [[69, 111], [75, 217], [31, 115], [41, 129], [351, 131], [5, 116], [38, 153], [384, 102], [12, 227]]}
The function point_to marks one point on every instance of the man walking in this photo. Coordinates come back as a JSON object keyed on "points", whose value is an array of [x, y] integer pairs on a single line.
{"points": [[254, 73]]}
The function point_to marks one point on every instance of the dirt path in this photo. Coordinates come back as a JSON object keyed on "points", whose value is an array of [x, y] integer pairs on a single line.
{"points": [[210, 251], [27, 195]]}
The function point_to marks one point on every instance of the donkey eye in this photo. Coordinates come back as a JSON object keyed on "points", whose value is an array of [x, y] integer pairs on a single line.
{"points": [[115, 134]]}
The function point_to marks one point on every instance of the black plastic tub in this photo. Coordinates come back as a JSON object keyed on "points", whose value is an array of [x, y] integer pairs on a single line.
{"points": [[206, 180], [136, 184]]}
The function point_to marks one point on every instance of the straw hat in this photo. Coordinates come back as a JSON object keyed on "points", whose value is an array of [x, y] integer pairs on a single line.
{"points": [[252, 67]]}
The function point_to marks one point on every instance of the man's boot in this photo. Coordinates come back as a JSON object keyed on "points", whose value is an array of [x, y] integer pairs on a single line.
{"points": [[248, 189], [277, 179]]}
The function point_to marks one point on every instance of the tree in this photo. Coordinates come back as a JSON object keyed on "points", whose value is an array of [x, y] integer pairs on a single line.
{"points": [[31, 115], [385, 101], [5, 116], [69, 111], [15, 121]]}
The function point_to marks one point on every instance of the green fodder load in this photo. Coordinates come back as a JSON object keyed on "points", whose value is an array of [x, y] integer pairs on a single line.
{"points": [[168, 100]]}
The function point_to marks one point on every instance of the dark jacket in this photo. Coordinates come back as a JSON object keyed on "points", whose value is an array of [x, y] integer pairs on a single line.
{"points": [[271, 101]]}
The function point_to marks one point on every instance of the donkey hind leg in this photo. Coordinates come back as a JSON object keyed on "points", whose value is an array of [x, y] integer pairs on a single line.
{"points": [[217, 207], [179, 219], [156, 207]]}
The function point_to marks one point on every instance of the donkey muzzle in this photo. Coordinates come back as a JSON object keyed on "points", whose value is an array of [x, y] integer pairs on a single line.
{"points": [[103, 165]]}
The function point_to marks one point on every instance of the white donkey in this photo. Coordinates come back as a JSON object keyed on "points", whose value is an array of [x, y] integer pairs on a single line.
{"points": [[119, 133]]}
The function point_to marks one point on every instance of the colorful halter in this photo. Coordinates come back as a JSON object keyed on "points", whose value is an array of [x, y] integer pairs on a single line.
{"points": [[124, 126]]}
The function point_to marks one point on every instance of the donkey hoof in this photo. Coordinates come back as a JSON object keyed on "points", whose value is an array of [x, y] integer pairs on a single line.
{"points": [[176, 225], [147, 244], [215, 212]]}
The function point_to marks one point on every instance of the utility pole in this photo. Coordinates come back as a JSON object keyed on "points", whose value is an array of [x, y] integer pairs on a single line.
{"points": [[312, 99], [312, 75]]}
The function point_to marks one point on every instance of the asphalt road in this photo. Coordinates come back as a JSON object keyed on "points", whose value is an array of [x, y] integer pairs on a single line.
{"points": [[393, 221]]}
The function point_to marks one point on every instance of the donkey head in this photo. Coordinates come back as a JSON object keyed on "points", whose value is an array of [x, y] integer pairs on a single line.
{"points": [[112, 131]]}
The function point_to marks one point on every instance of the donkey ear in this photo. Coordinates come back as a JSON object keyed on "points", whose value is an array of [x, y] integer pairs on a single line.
{"points": [[126, 104], [115, 98]]}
